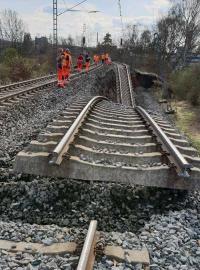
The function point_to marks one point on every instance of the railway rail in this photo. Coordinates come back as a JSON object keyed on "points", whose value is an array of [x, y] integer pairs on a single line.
{"points": [[13, 93], [100, 140], [86, 250], [95, 245]]}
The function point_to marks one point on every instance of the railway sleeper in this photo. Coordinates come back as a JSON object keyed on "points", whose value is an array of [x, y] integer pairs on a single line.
{"points": [[115, 116], [190, 151], [117, 131], [75, 168], [114, 125], [115, 138], [130, 159], [121, 147], [132, 121]]}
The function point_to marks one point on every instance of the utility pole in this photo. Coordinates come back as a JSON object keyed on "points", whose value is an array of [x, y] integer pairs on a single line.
{"points": [[97, 39], [122, 25], [55, 30], [83, 38], [55, 22]]}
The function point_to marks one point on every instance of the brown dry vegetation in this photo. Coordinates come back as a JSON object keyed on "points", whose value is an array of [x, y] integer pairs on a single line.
{"points": [[188, 120]]}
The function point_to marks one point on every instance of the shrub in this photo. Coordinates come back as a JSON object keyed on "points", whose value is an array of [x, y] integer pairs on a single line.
{"points": [[20, 69], [186, 84], [4, 74], [9, 55]]}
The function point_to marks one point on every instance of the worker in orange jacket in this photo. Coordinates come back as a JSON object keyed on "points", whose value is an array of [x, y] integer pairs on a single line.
{"points": [[97, 59], [80, 62], [67, 65], [60, 59], [103, 58], [94, 58], [87, 62]]}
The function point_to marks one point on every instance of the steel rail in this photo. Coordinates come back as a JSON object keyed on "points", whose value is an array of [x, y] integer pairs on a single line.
{"points": [[130, 85], [120, 83], [32, 88], [181, 164], [129, 82], [26, 82], [22, 83], [87, 257], [63, 146]]}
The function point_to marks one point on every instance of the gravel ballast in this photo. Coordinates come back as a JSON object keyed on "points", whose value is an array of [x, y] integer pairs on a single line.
{"points": [[44, 210]]}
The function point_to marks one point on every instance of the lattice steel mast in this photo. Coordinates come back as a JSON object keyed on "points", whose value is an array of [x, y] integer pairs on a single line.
{"points": [[122, 25], [55, 29]]}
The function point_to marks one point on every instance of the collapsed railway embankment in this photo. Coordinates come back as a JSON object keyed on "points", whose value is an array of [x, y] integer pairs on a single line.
{"points": [[164, 221]]}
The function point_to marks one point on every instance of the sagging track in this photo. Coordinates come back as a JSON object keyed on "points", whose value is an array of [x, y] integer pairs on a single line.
{"points": [[100, 140]]}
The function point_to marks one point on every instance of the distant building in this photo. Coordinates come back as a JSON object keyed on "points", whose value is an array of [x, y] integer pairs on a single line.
{"points": [[193, 59], [41, 44], [180, 61]]}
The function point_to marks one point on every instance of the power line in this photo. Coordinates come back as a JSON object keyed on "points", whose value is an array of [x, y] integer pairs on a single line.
{"points": [[69, 9]]}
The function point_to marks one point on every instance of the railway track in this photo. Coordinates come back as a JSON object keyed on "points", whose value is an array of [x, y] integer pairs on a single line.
{"points": [[13, 93], [100, 140], [86, 250], [126, 96]]}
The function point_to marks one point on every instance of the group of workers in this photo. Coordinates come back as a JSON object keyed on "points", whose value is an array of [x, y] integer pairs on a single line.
{"points": [[104, 58], [64, 64]]}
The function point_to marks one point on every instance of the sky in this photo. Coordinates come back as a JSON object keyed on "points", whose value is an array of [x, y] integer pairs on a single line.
{"points": [[37, 15]]}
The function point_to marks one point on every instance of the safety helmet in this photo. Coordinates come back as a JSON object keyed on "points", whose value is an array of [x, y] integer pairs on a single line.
{"points": [[67, 50]]}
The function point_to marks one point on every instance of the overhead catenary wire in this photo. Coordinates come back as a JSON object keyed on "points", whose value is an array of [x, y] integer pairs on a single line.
{"points": [[69, 9], [80, 10]]}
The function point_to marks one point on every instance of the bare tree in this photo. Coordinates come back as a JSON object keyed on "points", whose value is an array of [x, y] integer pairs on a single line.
{"points": [[131, 37], [179, 32], [12, 28], [169, 36], [189, 11], [70, 41], [146, 40]]}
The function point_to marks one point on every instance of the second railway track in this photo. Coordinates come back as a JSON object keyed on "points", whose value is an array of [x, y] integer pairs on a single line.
{"points": [[103, 141], [13, 93]]}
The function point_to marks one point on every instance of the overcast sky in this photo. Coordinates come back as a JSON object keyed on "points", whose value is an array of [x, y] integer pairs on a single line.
{"points": [[37, 15]]}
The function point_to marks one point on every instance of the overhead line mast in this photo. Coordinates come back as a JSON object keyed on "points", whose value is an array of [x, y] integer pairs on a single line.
{"points": [[55, 21], [122, 25], [55, 30], [55, 24]]}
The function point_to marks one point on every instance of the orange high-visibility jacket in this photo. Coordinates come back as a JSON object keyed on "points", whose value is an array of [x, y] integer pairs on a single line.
{"points": [[103, 56], [67, 62]]}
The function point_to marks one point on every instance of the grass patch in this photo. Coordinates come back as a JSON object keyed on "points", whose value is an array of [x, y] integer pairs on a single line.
{"points": [[188, 120]]}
